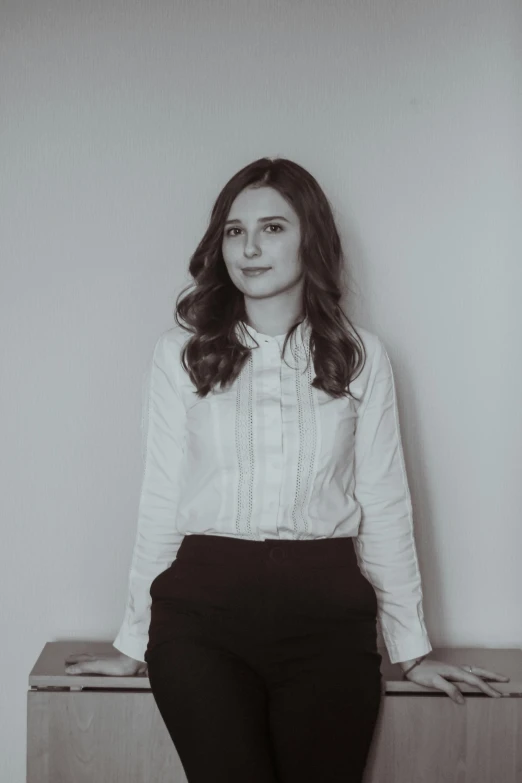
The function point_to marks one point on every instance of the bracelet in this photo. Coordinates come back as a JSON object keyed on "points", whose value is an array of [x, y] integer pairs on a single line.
{"points": [[419, 660]]}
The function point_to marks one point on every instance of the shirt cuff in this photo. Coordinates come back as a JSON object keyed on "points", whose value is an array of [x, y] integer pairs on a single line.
{"points": [[407, 648], [131, 646]]}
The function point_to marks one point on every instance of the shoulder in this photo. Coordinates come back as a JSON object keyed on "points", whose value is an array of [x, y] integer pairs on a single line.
{"points": [[169, 345], [173, 338]]}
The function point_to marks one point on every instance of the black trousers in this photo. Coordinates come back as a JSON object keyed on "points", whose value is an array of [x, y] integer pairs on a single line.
{"points": [[263, 662]]}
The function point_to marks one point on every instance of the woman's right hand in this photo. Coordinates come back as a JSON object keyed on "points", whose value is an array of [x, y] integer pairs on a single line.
{"points": [[115, 665]]}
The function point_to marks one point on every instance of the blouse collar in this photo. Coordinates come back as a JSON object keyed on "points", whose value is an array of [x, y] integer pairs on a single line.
{"points": [[251, 337]]}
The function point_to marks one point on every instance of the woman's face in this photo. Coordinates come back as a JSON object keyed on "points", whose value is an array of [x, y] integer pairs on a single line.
{"points": [[262, 229]]}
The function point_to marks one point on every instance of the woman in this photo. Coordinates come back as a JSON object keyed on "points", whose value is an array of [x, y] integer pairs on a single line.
{"points": [[275, 521]]}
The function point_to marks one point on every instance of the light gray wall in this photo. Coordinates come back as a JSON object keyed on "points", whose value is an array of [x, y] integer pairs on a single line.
{"points": [[120, 122]]}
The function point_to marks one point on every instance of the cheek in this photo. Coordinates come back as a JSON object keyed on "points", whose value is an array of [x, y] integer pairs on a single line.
{"points": [[292, 247], [232, 253], [287, 249]]}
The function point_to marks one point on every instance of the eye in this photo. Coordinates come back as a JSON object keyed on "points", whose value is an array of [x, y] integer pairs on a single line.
{"points": [[269, 225]]}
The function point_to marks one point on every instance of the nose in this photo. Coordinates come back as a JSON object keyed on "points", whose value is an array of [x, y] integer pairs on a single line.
{"points": [[251, 252], [251, 248]]}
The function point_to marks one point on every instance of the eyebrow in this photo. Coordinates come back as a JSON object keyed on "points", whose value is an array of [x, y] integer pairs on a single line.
{"points": [[260, 220]]}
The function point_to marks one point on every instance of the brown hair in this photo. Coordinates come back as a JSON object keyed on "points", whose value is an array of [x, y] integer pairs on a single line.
{"points": [[214, 354]]}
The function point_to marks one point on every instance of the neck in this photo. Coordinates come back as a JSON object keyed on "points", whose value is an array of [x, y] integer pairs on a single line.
{"points": [[273, 328]]}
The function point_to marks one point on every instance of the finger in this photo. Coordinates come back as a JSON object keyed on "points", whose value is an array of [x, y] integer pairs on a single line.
{"points": [[453, 692], [75, 668], [75, 657], [487, 675], [81, 667], [474, 679], [487, 689]]}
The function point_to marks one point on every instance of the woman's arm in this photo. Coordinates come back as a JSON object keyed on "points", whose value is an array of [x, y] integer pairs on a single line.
{"points": [[385, 544], [157, 541]]}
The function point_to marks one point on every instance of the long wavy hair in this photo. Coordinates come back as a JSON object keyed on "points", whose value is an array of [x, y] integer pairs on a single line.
{"points": [[215, 305]]}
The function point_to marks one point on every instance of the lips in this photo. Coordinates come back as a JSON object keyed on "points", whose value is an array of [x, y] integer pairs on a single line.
{"points": [[254, 268]]}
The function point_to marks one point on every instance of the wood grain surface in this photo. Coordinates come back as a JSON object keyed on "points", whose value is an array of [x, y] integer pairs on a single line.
{"points": [[90, 728]]}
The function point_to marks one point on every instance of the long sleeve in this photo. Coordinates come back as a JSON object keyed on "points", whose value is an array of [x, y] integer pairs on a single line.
{"points": [[157, 541], [385, 544]]}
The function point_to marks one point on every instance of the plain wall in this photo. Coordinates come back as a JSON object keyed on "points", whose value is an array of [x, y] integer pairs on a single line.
{"points": [[120, 123]]}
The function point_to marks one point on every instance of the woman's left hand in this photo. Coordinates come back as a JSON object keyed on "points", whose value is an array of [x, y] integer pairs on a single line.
{"points": [[437, 674]]}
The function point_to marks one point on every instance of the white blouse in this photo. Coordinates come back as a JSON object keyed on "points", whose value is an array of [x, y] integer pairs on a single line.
{"points": [[274, 457]]}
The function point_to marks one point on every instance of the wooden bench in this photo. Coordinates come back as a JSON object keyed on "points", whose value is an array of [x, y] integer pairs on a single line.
{"points": [[97, 729]]}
